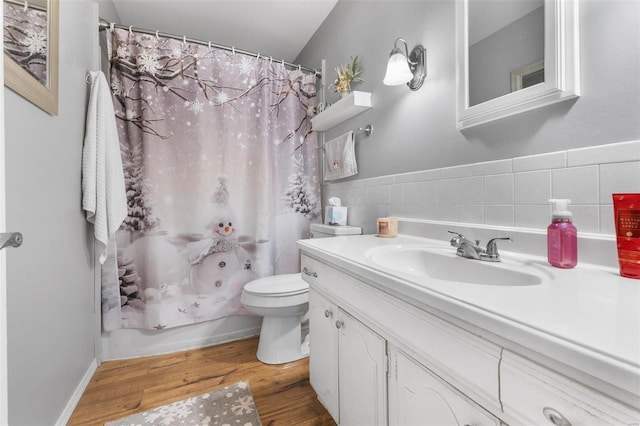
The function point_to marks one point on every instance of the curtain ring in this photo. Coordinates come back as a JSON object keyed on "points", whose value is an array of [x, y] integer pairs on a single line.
{"points": [[209, 46], [112, 27], [130, 30], [184, 41], [233, 50], [270, 60], [258, 56], [283, 62], [157, 36], [26, 6], [299, 68]]}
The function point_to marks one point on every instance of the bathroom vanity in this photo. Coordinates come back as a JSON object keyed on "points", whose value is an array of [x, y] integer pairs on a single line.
{"points": [[404, 332]]}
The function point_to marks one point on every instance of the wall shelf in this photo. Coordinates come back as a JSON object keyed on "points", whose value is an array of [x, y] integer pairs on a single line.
{"points": [[347, 107]]}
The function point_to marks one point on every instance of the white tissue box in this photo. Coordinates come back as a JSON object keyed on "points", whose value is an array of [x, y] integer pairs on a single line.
{"points": [[335, 216]]}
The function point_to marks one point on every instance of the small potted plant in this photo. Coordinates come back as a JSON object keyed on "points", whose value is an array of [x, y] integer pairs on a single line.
{"points": [[346, 75]]}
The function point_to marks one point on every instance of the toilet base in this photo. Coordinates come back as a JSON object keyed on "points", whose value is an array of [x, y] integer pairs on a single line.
{"points": [[281, 341]]}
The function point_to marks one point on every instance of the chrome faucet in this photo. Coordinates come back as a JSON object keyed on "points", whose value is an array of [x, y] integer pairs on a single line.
{"points": [[471, 250]]}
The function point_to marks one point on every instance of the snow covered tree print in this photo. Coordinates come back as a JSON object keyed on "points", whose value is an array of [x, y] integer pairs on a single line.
{"points": [[212, 143], [299, 195], [140, 218]]}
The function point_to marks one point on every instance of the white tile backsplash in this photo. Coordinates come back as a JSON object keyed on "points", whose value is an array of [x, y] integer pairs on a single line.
{"points": [[511, 192], [492, 167], [411, 193], [532, 216], [447, 191], [499, 215], [626, 151], [498, 189], [586, 218], [579, 184], [447, 212], [396, 194], [428, 192], [618, 178], [551, 160], [532, 187], [470, 190]]}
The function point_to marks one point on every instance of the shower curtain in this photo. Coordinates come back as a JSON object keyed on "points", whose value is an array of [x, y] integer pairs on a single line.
{"points": [[220, 167]]}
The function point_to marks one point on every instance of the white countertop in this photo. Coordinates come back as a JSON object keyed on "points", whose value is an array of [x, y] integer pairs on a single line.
{"points": [[587, 318]]}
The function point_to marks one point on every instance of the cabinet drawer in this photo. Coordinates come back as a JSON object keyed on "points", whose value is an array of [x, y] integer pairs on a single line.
{"points": [[533, 394], [466, 361]]}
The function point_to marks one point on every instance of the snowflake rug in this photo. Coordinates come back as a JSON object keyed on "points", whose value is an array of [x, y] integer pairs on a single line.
{"points": [[230, 406]]}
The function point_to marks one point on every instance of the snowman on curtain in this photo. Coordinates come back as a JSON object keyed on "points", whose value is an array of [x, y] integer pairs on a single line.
{"points": [[219, 266]]}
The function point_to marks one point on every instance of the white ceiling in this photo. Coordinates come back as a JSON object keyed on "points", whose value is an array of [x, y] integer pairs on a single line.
{"points": [[277, 28]]}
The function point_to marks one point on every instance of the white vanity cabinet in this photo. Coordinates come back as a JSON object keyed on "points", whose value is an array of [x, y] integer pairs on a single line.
{"points": [[348, 365], [533, 394], [444, 368], [323, 364], [418, 397]]}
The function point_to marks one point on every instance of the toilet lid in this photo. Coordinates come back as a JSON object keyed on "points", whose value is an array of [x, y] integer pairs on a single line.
{"points": [[277, 285]]}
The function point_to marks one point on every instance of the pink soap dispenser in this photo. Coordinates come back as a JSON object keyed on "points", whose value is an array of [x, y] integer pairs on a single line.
{"points": [[562, 236]]}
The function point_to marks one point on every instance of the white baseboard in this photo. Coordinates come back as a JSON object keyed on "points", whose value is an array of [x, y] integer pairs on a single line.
{"points": [[75, 398]]}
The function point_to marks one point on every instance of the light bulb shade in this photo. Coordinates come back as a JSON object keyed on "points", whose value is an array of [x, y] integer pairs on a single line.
{"points": [[398, 71]]}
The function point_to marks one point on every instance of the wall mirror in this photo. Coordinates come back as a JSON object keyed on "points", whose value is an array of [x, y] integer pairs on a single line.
{"points": [[514, 56], [31, 51]]}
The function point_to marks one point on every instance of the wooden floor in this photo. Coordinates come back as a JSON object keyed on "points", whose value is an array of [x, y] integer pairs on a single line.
{"points": [[282, 393]]}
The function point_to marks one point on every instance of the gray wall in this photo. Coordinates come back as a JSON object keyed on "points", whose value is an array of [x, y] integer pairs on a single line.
{"points": [[50, 290], [416, 130]]}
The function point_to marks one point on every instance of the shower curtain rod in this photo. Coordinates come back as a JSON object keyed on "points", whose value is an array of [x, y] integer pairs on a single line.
{"points": [[104, 25]]}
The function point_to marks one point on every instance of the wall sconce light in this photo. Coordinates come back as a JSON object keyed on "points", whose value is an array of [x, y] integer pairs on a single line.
{"points": [[405, 67]]}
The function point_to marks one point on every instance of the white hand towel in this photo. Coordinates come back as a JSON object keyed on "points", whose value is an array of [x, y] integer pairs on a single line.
{"points": [[103, 192], [340, 157]]}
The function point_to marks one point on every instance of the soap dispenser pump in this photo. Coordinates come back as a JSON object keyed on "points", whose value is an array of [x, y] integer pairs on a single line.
{"points": [[562, 236]]}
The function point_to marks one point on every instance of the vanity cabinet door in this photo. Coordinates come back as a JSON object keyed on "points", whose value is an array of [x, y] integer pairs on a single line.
{"points": [[362, 372], [323, 353], [419, 397]]}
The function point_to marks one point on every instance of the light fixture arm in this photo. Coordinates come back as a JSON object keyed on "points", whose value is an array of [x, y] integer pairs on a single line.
{"points": [[416, 62]]}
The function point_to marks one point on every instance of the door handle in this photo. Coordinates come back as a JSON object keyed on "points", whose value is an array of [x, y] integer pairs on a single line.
{"points": [[10, 239]]}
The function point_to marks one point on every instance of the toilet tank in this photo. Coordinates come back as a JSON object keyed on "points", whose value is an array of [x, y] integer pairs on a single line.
{"points": [[319, 230]]}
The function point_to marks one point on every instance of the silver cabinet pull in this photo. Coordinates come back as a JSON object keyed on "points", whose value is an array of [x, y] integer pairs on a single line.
{"points": [[310, 273], [339, 324], [327, 313], [555, 417], [10, 239]]}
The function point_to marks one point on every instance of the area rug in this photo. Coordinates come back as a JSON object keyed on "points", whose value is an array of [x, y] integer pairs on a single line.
{"points": [[230, 406]]}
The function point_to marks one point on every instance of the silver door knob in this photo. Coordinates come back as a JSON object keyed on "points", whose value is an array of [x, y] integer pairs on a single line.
{"points": [[327, 313], [10, 239], [339, 324]]}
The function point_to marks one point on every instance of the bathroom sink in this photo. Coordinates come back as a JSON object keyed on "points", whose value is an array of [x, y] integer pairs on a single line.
{"points": [[443, 264]]}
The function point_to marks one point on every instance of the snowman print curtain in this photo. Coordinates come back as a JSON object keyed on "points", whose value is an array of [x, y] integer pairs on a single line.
{"points": [[220, 168]]}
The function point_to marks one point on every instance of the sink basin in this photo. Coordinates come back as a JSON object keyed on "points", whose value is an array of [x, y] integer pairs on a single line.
{"points": [[443, 264]]}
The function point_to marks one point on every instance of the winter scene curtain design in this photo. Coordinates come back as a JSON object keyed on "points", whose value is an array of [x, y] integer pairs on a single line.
{"points": [[221, 176], [25, 38]]}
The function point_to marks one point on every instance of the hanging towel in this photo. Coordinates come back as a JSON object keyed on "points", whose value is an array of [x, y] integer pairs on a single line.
{"points": [[340, 157], [103, 193]]}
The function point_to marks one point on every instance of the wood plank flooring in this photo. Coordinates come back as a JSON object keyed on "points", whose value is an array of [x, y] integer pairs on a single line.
{"points": [[282, 393]]}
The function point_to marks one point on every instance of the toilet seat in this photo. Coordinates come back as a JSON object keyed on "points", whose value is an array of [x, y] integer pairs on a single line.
{"points": [[277, 286]]}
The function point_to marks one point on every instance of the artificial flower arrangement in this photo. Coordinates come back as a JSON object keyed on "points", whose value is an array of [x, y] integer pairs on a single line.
{"points": [[346, 75]]}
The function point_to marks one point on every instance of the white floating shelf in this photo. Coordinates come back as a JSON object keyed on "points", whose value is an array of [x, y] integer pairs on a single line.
{"points": [[347, 107]]}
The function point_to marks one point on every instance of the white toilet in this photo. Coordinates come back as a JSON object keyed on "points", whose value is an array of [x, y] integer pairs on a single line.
{"points": [[283, 301]]}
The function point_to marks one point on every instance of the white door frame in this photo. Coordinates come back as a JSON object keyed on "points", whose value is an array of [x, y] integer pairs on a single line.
{"points": [[3, 258]]}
